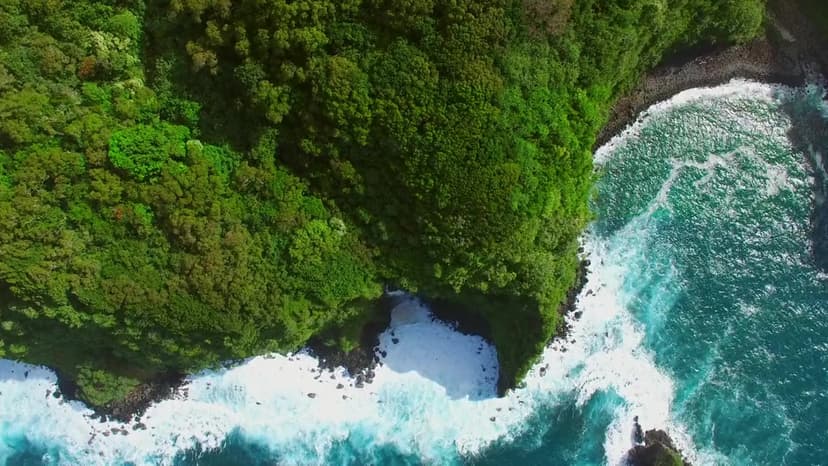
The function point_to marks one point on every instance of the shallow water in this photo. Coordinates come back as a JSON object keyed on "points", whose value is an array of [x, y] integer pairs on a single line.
{"points": [[703, 315]]}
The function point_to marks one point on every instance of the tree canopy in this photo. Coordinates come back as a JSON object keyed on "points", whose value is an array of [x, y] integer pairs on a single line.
{"points": [[188, 181]]}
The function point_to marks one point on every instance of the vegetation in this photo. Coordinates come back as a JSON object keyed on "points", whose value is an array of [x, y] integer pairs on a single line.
{"points": [[188, 181], [817, 11]]}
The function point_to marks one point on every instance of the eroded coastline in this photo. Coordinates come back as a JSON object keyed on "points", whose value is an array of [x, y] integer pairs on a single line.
{"points": [[792, 52], [788, 54]]}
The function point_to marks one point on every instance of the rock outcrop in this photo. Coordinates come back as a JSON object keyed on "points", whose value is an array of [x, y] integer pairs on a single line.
{"points": [[658, 450]]}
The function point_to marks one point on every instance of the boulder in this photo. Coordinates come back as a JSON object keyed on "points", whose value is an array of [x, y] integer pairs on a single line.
{"points": [[658, 450]]}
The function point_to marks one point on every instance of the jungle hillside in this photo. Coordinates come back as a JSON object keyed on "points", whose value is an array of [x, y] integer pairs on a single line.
{"points": [[186, 182]]}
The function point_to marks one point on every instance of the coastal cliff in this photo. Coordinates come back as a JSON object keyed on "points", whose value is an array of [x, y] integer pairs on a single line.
{"points": [[191, 202]]}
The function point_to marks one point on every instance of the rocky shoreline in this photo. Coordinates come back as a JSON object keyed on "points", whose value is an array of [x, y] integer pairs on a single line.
{"points": [[792, 52], [362, 360], [133, 406], [568, 306], [658, 449]]}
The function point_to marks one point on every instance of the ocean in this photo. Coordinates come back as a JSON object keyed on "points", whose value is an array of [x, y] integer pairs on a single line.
{"points": [[704, 314]]}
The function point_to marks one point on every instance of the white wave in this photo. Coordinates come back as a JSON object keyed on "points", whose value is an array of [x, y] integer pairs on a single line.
{"points": [[422, 401], [433, 395], [628, 247], [740, 88], [620, 361]]}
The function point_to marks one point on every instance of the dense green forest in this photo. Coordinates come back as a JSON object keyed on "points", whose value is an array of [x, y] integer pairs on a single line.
{"points": [[817, 10], [184, 182]]}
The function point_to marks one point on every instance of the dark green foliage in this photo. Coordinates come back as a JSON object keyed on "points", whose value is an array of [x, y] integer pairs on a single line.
{"points": [[100, 388], [182, 182], [143, 150], [817, 12]]}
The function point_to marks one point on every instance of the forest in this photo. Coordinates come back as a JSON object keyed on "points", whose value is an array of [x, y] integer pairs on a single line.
{"points": [[186, 182]]}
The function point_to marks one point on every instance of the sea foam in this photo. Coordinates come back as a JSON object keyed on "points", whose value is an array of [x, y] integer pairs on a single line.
{"points": [[433, 395], [740, 88]]}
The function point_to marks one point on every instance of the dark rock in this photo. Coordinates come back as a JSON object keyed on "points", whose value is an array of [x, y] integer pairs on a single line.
{"points": [[464, 319], [638, 434], [543, 371], [769, 58], [568, 306], [395, 340], [139, 426], [135, 403], [493, 419], [339, 386], [311, 395], [364, 357], [658, 450]]}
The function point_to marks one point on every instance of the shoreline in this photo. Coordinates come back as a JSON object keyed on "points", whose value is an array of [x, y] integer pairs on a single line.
{"points": [[131, 408], [789, 54], [792, 53]]}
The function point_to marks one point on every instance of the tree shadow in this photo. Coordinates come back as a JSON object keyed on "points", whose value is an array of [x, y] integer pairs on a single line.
{"points": [[808, 135]]}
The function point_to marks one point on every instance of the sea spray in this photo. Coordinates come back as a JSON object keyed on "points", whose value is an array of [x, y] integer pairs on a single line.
{"points": [[725, 190], [684, 166], [433, 394]]}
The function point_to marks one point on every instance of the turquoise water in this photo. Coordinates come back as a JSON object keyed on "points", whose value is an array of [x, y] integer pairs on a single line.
{"points": [[734, 308], [704, 315]]}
